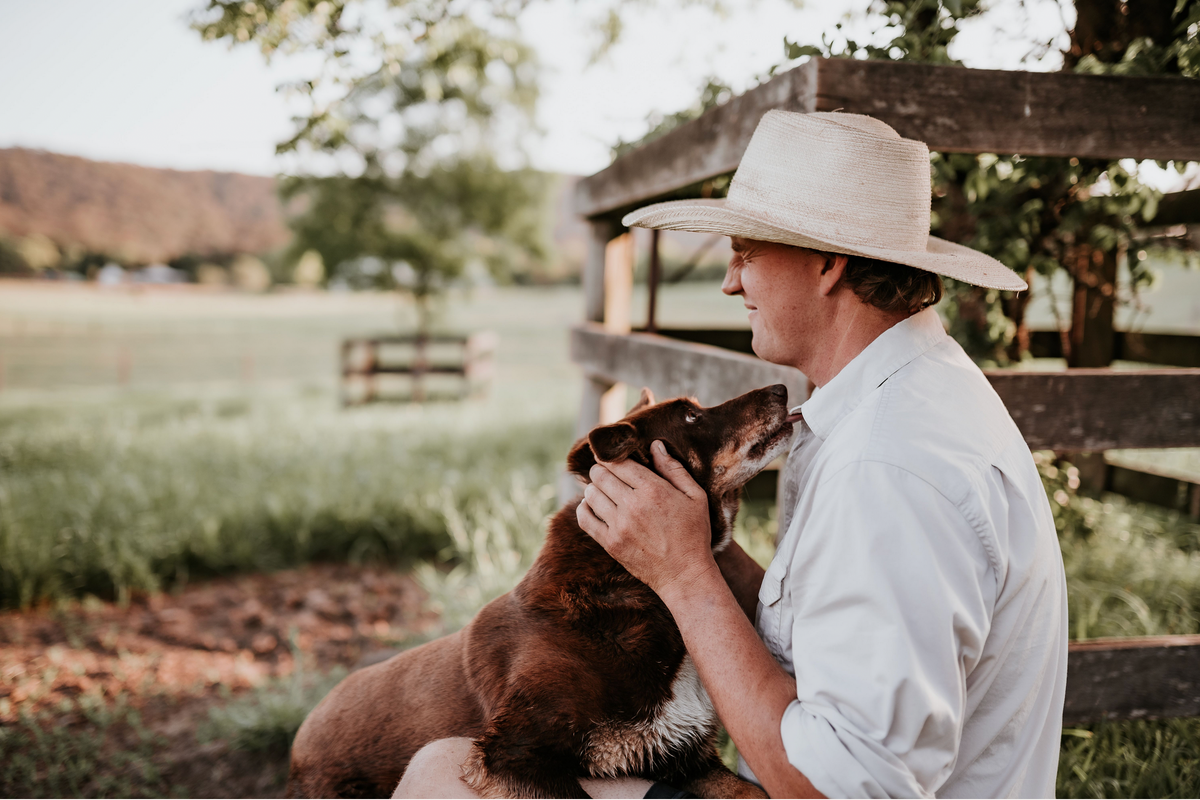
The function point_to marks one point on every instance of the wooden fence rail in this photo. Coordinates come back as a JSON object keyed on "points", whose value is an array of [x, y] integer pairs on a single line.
{"points": [[1094, 409], [1151, 677], [952, 109], [1174, 349]]}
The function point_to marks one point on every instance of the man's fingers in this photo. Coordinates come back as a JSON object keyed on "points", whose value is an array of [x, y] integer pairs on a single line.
{"points": [[606, 480], [599, 503], [673, 471], [592, 525], [633, 474]]}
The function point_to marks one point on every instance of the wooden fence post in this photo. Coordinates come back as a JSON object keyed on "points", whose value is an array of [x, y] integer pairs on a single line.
{"points": [[594, 386], [653, 279], [618, 301]]}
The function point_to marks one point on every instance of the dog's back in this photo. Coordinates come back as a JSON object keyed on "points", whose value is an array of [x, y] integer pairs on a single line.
{"points": [[360, 738]]}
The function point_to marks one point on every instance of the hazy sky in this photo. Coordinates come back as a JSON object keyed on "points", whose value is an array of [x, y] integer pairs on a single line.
{"points": [[127, 80]]}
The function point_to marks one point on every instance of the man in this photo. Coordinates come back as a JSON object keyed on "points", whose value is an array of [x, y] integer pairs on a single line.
{"points": [[909, 637]]}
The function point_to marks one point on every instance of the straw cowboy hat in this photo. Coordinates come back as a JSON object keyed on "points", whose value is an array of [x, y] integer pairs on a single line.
{"points": [[840, 183]]}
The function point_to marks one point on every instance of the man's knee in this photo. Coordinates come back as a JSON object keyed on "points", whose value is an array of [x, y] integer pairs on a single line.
{"points": [[436, 770]]}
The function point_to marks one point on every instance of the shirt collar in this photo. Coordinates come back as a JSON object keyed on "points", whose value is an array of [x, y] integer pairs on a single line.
{"points": [[891, 350]]}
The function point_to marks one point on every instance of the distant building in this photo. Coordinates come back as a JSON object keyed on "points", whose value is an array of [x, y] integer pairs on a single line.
{"points": [[111, 275], [159, 273]]}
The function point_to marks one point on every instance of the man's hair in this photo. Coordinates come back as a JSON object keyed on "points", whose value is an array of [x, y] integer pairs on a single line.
{"points": [[891, 287]]}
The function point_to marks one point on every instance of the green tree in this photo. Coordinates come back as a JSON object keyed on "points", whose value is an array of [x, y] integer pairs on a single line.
{"points": [[421, 107]]}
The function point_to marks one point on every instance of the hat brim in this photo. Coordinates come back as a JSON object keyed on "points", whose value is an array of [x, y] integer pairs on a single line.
{"points": [[714, 216]]}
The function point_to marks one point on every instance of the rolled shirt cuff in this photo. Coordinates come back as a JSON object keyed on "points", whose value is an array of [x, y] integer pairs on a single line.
{"points": [[840, 762]]}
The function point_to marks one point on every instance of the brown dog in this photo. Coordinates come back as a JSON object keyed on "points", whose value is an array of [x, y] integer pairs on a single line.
{"points": [[579, 670]]}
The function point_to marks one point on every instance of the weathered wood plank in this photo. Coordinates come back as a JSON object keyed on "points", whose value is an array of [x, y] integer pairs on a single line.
{"points": [[703, 148], [1168, 349], [737, 339], [1146, 486], [951, 108], [600, 234], [1099, 409], [1091, 410], [1173, 349], [1178, 208], [671, 368], [1033, 113], [618, 302], [602, 231], [412, 338], [1153, 677]]}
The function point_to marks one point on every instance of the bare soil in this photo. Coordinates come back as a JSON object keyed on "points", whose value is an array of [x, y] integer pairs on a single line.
{"points": [[173, 656]]}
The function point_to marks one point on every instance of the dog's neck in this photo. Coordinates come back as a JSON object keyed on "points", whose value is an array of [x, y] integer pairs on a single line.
{"points": [[564, 537], [722, 511]]}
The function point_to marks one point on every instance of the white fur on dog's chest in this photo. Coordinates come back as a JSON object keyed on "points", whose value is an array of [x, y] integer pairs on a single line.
{"points": [[688, 717]]}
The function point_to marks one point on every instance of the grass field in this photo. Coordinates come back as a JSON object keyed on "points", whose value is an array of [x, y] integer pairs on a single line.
{"points": [[149, 441]]}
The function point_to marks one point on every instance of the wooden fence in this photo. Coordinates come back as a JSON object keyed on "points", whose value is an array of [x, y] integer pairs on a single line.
{"points": [[469, 358], [953, 110]]}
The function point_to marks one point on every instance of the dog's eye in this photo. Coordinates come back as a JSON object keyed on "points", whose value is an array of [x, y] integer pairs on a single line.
{"points": [[691, 416]]}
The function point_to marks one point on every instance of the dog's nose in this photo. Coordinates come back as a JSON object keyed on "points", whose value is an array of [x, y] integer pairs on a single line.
{"points": [[779, 390]]}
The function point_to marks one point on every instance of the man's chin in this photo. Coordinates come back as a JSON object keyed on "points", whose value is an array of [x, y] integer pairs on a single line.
{"points": [[760, 344]]}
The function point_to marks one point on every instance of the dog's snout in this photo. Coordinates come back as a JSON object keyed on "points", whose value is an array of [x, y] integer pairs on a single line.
{"points": [[779, 390]]}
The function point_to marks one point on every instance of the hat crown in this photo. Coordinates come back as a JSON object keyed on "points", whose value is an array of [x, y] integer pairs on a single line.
{"points": [[844, 177]]}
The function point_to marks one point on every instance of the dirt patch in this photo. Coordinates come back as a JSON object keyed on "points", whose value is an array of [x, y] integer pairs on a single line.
{"points": [[169, 658]]}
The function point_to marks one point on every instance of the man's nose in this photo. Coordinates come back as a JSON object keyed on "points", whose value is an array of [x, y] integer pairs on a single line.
{"points": [[733, 281]]}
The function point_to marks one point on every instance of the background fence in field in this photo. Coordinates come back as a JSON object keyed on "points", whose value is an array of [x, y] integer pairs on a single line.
{"points": [[368, 362]]}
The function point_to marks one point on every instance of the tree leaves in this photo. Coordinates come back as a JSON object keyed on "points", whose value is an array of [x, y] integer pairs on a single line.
{"points": [[418, 102]]}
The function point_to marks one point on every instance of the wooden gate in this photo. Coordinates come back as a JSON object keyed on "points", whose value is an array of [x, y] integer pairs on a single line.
{"points": [[952, 109]]}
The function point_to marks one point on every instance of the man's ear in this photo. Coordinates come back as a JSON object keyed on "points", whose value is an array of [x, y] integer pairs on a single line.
{"points": [[831, 273], [646, 399]]}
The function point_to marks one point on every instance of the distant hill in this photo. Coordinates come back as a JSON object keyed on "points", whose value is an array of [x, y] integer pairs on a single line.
{"points": [[137, 214], [140, 215]]}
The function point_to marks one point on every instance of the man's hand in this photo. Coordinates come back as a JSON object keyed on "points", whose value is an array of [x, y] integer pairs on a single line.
{"points": [[657, 529]]}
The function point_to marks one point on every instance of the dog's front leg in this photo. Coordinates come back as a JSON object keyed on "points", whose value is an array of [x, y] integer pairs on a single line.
{"points": [[719, 781], [522, 753]]}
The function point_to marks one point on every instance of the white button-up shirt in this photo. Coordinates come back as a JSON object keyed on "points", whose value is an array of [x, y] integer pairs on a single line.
{"points": [[918, 594]]}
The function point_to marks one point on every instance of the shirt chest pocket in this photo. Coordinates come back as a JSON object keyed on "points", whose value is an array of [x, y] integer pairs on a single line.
{"points": [[771, 625]]}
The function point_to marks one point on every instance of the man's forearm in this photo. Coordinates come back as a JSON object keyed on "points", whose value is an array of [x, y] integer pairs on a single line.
{"points": [[749, 689], [744, 576]]}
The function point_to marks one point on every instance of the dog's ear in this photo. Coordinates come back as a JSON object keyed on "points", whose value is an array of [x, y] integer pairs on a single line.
{"points": [[613, 442], [606, 443], [646, 399], [581, 459]]}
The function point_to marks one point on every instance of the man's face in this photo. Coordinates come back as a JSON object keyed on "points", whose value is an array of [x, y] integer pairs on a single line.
{"points": [[779, 286]]}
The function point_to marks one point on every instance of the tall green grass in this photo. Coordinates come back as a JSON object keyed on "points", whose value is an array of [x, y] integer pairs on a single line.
{"points": [[112, 498], [1131, 759]]}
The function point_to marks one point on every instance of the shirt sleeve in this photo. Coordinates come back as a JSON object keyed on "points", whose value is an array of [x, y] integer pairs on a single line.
{"points": [[892, 593]]}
